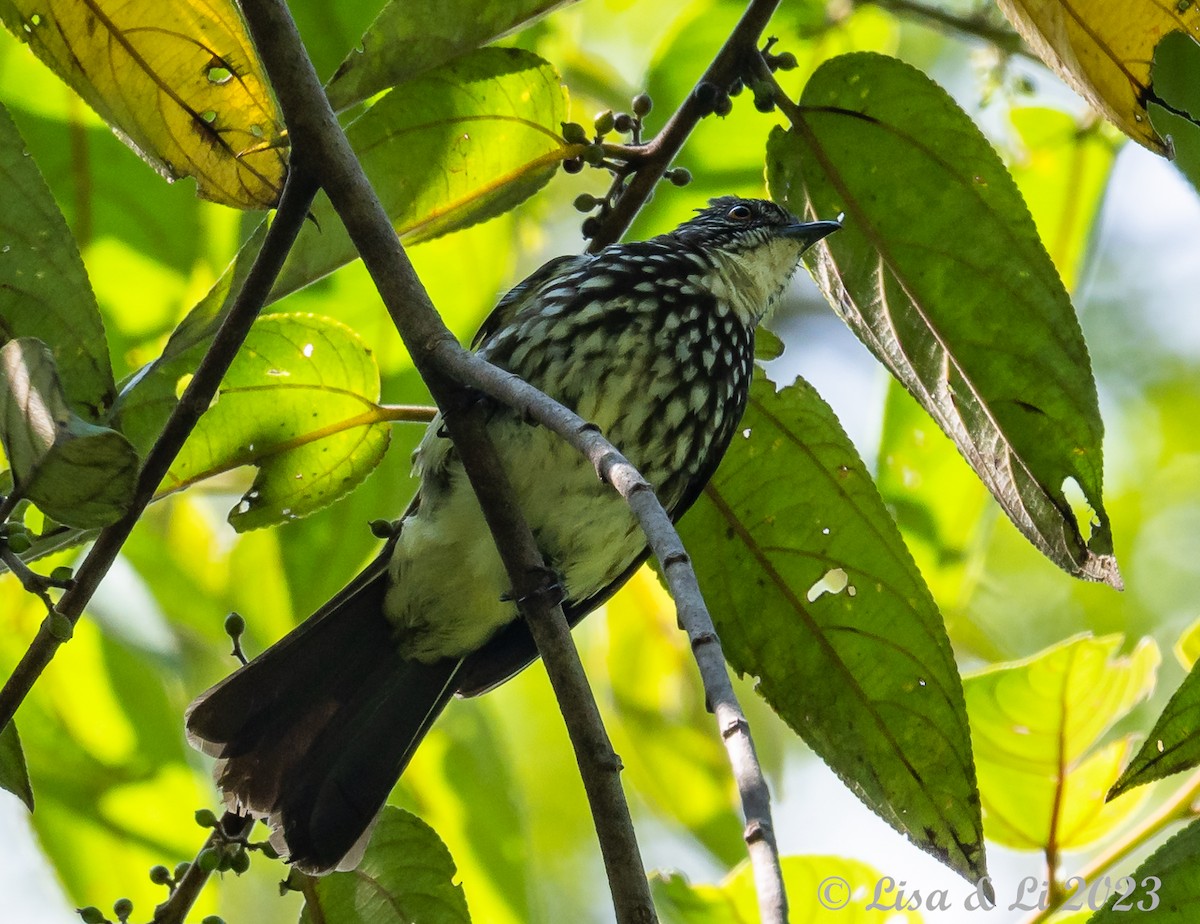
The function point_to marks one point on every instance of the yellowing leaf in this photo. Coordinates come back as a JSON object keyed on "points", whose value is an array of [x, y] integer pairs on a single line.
{"points": [[1103, 50], [179, 82], [1035, 724]]}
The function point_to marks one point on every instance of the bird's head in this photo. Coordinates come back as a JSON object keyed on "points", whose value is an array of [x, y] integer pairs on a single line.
{"points": [[755, 246]]}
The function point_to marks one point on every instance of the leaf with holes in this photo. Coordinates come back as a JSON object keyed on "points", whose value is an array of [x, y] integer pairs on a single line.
{"points": [[45, 291], [14, 776], [1103, 50], [1036, 726], [940, 271], [410, 37], [179, 82], [405, 877], [81, 474], [813, 592], [299, 403], [452, 148]]}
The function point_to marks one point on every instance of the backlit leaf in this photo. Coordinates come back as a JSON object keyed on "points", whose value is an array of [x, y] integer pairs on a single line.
{"points": [[299, 403], [821, 889], [813, 592], [45, 291], [1174, 103], [1036, 723], [410, 37], [406, 877], [940, 271], [1103, 50], [79, 473], [457, 146], [180, 82]]}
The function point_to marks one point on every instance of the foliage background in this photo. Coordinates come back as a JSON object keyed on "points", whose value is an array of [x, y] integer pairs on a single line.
{"points": [[116, 784]]}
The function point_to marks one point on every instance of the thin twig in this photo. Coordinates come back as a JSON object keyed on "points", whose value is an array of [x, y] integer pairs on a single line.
{"points": [[175, 909], [657, 154], [293, 207], [310, 119]]}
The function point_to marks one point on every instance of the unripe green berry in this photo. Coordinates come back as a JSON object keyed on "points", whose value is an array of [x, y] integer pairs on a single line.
{"points": [[642, 104], [722, 105], [604, 122], [594, 155], [235, 625], [764, 102], [92, 915], [240, 862], [209, 859], [181, 869], [19, 542], [623, 123], [786, 61], [160, 875], [62, 574], [574, 133], [585, 202], [122, 908], [205, 818], [680, 176]]}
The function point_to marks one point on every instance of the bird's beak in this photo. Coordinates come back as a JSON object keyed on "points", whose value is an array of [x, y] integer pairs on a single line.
{"points": [[809, 232]]}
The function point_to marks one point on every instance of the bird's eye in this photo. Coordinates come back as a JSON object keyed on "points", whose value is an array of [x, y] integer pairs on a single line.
{"points": [[740, 213]]}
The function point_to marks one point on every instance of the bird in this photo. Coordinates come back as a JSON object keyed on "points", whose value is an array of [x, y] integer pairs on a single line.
{"points": [[651, 341]]}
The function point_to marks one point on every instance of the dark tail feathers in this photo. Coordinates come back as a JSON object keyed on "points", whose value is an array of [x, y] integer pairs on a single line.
{"points": [[314, 732]]}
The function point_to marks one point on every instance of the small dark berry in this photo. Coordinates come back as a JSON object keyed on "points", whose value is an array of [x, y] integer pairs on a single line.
{"points": [[786, 61], [573, 133], [623, 123], [160, 875], [736, 87], [209, 859], [122, 908], [205, 818], [585, 202], [213, 919], [723, 105], [642, 104], [92, 915], [591, 227], [680, 176], [764, 102], [706, 94], [240, 862], [573, 165], [604, 122], [235, 625], [381, 529]]}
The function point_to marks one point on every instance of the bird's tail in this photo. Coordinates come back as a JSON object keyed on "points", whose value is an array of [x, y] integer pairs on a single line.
{"points": [[313, 733]]}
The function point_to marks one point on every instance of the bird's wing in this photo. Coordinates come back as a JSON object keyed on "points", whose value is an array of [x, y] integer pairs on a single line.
{"points": [[519, 296]]}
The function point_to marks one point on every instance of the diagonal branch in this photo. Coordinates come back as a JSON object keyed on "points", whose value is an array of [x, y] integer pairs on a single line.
{"points": [[56, 628], [311, 121]]}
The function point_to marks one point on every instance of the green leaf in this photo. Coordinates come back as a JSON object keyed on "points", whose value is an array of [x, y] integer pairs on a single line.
{"points": [[14, 776], [1166, 886], [1036, 723], [299, 402], [455, 147], [820, 888], [813, 592], [180, 83], [1173, 745], [940, 271], [78, 473], [45, 293], [1174, 104], [406, 877], [411, 37]]}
